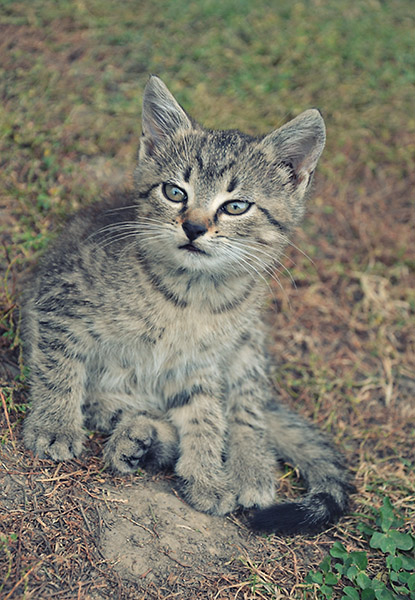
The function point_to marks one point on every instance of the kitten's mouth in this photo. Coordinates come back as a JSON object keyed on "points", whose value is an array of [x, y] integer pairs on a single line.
{"points": [[191, 248]]}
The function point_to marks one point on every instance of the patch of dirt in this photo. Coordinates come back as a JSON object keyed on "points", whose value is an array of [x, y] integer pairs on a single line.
{"points": [[151, 534], [72, 530]]}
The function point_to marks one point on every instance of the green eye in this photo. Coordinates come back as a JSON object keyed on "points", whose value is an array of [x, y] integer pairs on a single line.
{"points": [[174, 193], [235, 207]]}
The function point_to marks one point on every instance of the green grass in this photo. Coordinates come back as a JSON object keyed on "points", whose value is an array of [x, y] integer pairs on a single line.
{"points": [[397, 556]]}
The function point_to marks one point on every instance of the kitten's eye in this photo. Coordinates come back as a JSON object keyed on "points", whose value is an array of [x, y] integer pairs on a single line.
{"points": [[174, 193], [235, 207]]}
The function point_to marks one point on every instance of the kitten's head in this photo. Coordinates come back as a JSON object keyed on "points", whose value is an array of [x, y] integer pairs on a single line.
{"points": [[220, 201]]}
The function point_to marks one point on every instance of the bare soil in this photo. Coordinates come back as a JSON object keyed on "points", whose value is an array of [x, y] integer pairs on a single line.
{"points": [[82, 533]]}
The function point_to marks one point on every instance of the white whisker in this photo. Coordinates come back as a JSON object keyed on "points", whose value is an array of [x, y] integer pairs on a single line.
{"points": [[255, 246], [258, 262], [111, 210], [303, 253], [127, 227], [243, 259], [273, 276], [144, 236]]}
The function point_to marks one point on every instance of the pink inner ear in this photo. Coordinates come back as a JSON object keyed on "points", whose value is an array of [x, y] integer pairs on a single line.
{"points": [[306, 168], [152, 133]]}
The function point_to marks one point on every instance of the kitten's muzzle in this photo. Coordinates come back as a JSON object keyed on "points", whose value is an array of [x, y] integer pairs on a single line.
{"points": [[192, 248]]}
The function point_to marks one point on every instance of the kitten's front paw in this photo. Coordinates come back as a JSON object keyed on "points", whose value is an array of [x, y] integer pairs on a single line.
{"points": [[57, 445], [126, 454], [213, 497], [140, 441], [207, 490]]}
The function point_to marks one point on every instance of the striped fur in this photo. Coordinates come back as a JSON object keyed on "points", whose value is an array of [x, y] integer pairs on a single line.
{"points": [[144, 321]]}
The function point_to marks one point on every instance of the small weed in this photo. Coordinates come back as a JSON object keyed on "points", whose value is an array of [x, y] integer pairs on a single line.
{"points": [[350, 569], [5, 542], [259, 581]]}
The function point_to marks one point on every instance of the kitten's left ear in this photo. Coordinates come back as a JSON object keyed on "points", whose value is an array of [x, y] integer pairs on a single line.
{"points": [[299, 143], [162, 114]]}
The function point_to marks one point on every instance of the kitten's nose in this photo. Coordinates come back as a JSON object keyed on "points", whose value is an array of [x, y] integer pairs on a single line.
{"points": [[193, 230]]}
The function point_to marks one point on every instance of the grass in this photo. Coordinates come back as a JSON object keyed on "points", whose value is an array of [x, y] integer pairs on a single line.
{"points": [[71, 77], [397, 563]]}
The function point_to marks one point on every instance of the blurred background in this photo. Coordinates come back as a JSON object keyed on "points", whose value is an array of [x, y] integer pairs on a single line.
{"points": [[72, 74]]}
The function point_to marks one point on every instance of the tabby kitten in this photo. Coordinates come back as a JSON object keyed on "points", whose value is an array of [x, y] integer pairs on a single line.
{"points": [[144, 321]]}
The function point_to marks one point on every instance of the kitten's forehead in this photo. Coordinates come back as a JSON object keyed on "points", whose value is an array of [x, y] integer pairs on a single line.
{"points": [[218, 151], [218, 160]]}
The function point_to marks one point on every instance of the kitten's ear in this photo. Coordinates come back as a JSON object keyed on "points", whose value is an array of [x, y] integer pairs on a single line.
{"points": [[299, 143], [162, 114]]}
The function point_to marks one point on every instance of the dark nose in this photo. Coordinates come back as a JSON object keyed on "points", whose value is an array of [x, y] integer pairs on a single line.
{"points": [[193, 230]]}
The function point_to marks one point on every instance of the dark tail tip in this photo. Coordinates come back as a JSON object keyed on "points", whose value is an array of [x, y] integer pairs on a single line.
{"points": [[312, 514]]}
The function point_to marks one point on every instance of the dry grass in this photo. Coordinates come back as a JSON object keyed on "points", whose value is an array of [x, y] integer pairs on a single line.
{"points": [[343, 336]]}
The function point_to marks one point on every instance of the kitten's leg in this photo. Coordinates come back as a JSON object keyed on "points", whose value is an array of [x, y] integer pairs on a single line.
{"points": [[141, 440], [201, 426], [250, 461], [301, 444], [258, 425], [53, 427], [102, 411]]}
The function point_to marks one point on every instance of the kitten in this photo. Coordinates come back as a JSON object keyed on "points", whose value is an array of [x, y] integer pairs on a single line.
{"points": [[144, 321]]}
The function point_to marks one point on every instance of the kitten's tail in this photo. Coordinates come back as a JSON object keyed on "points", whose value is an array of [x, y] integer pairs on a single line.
{"points": [[312, 514], [328, 481]]}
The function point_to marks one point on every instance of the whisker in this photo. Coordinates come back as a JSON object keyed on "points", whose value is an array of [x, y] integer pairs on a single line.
{"points": [[258, 273], [125, 226], [112, 210], [302, 252], [248, 256], [116, 238], [256, 246], [243, 259], [275, 278], [141, 218], [124, 235], [228, 252]]}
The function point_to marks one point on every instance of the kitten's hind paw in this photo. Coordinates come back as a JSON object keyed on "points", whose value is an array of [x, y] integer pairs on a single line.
{"points": [[257, 494], [206, 489], [252, 478], [57, 445]]}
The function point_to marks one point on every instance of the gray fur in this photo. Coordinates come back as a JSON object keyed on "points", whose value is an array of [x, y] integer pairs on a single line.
{"points": [[131, 330]]}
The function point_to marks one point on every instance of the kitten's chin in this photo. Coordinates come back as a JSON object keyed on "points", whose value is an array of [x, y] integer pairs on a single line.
{"points": [[193, 259], [209, 265]]}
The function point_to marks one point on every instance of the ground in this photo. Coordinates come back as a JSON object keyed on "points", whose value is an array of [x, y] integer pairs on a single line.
{"points": [[341, 319]]}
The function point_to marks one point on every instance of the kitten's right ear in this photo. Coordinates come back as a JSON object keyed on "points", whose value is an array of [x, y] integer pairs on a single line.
{"points": [[162, 114], [299, 143]]}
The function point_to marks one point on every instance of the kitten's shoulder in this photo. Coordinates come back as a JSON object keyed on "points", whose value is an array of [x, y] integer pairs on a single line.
{"points": [[117, 208], [88, 227]]}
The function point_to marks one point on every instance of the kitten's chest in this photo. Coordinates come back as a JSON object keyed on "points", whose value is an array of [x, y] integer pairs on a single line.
{"points": [[158, 359], [169, 332], [155, 343], [187, 340]]}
